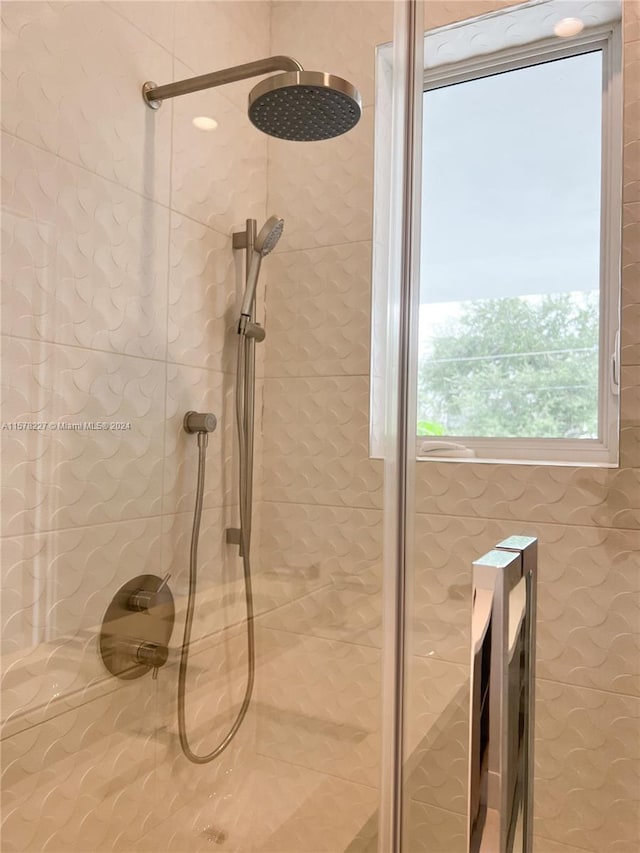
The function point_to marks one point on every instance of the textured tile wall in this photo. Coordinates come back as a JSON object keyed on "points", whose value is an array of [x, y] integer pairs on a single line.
{"points": [[118, 297]]}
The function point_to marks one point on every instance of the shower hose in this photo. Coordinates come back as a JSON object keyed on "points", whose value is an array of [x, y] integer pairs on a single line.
{"points": [[245, 383]]}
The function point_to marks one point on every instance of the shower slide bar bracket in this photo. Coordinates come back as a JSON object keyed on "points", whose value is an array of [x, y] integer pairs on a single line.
{"points": [[502, 698]]}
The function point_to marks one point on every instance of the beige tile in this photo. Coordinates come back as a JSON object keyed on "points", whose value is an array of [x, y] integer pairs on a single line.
{"points": [[631, 236], [110, 286], [29, 235], [318, 312], [220, 599], [631, 78], [192, 388], [630, 15], [57, 95], [219, 34], [204, 279], [587, 597], [631, 125], [218, 176], [343, 685], [267, 805], [61, 478], [588, 608], [68, 578], [437, 733], [344, 751], [25, 561], [427, 829], [348, 608], [307, 543], [444, 549], [324, 190], [243, 808], [300, 720], [84, 261], [326, 820], [215, 686], [629, 342], [586, 785], [532, 494], [631, 165], [443, 12], [631, 265], [334, 36], [315, 442], [630, 417], [89, 564], [546, 845], [156, 19], [76, 781]]}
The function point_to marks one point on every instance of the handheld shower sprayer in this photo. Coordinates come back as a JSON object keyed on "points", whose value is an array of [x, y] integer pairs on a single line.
{"points": [[265, 242]]}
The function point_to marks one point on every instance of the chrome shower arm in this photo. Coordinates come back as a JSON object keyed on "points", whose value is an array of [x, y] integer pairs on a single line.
{"points": [[154, 95]]}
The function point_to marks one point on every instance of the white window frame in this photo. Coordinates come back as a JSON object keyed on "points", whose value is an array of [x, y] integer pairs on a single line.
{"points": [[603, 451]]}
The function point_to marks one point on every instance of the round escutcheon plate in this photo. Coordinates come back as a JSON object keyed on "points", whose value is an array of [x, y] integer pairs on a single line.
{"points": [[125, 628]]}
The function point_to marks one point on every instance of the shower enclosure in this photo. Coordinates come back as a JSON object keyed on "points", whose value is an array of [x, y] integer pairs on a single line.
{"points": [[338, 680]]}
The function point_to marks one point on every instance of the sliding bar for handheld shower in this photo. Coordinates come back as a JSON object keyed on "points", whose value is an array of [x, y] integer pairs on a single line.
{"points": [[154, 95]]}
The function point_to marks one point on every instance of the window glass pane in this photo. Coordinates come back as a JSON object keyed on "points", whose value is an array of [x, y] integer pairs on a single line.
{"points": [[510, 253]]}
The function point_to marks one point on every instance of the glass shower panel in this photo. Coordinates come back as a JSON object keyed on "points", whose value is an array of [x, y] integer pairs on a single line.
{"points": [[124, 237], [318, 688], [465, 511]]}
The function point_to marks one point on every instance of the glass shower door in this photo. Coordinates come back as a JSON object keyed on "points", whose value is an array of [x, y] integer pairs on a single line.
{"points": [[122, 286]]}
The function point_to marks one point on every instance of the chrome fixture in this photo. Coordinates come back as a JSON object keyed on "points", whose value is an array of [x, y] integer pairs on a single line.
{"points": [[137, 627], [201, 424], [502, 698], [298, 105], [196, 422], [264, 243], [256, 246]]}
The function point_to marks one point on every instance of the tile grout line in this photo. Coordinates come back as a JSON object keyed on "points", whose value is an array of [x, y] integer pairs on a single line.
{"points": [[346, 508], [113, 7], [572, 685], [478, 518], [117, 353]]}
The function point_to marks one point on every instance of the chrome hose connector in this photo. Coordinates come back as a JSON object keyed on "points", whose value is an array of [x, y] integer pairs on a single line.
{"points": [[199, 422]]}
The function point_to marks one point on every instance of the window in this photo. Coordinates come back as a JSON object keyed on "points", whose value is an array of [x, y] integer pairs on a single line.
{"points": [[519, 291]]}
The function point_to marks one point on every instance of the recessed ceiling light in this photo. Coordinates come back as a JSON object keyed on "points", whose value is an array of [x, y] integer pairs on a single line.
{"points": [[205, 123], [568, 27]]}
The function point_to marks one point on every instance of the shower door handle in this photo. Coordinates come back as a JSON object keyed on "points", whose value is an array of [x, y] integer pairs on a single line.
{"points": [[502, 696]]}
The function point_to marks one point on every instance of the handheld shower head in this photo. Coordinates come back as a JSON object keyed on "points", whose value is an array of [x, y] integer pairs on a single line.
{"points": [[269, 235], [266, 240]]}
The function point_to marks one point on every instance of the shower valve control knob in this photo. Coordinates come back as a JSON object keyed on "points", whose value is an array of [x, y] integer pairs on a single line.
{"points": [[150, 654], [143, 599]]}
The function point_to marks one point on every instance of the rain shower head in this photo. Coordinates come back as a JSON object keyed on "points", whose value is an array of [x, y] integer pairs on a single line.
{"points": [[305, 106], [298, 105]]}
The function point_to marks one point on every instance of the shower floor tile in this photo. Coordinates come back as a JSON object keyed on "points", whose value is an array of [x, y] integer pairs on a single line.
{"points": [[267, 806]]}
